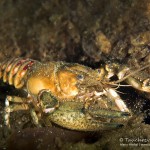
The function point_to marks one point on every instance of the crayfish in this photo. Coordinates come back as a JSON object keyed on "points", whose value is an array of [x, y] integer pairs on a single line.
{"points": [[71, 95]]}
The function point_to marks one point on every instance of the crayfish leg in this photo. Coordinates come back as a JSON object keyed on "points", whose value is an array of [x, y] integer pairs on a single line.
{"points": [[35, 118], [14, 107], [114, 96], [140, 85]]}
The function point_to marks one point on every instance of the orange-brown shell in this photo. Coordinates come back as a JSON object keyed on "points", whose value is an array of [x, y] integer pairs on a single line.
{"points": [[61, 82]]}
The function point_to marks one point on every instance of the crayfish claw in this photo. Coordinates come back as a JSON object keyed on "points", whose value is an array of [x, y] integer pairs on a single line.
{"points": [[72, 116], [106, 113], [47, 101]]}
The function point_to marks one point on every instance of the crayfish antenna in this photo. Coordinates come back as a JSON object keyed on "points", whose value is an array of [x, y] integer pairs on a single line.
{"points": [[130, 74]]}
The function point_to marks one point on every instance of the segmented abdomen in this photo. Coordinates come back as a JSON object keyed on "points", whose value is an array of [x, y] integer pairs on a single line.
{"points": [[14, 70]]}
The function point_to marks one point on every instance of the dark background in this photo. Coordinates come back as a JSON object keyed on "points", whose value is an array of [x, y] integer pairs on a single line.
{"points": [[89, 32]]}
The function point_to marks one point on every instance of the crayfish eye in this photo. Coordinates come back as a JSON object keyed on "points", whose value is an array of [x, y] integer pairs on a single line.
{"points": [[80, 77], [99, 71]]}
